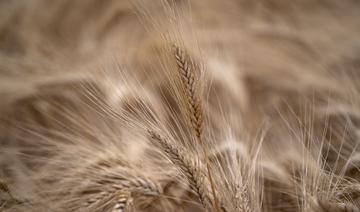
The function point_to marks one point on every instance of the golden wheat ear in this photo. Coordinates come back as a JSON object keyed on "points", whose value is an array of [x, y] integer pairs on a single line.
{"points": [[190, 74]]}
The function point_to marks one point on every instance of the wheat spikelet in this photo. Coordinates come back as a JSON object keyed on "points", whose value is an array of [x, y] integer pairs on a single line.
{"points": [[112, 201], [123, 203]]}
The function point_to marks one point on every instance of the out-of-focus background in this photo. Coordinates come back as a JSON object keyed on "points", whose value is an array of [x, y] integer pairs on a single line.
{"points": [[290, 67]]}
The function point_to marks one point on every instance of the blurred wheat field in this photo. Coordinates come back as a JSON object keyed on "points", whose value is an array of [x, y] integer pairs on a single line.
{"points": [[180, 105]]}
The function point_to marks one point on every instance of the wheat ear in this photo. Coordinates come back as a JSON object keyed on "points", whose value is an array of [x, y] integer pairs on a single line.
{"points": [[189, 76], [187, 166], [118, 201], [187, 70], [108, 185], [131, 183]]}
